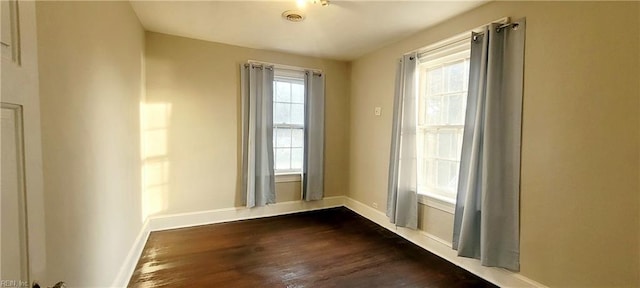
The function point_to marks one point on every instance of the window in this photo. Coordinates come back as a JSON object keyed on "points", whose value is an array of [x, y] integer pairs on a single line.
{"points": [[442, 99], [288, 122]]}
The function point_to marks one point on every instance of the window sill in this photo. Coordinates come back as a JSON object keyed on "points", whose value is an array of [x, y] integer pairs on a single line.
{"points": [[288, 177], [440, 203]]}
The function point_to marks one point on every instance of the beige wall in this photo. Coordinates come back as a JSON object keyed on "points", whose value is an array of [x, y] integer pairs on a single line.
{"points": [[90, 62], [288, 191], [200, 83], [580, 173], [580, 190]]}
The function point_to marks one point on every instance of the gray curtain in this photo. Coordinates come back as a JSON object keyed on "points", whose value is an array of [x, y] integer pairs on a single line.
{"points": [[313, 167], [257, 135], [402, 197], [487, 214]]}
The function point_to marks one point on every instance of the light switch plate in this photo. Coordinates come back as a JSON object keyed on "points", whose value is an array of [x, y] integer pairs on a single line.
{"points": [[377, 111]]}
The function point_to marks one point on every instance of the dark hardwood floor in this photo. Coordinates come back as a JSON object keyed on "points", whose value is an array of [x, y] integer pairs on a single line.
{"points": [[326, 248]]}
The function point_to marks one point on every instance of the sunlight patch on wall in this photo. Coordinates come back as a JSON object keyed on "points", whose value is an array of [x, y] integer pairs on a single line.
{"points": [[154, 121]]}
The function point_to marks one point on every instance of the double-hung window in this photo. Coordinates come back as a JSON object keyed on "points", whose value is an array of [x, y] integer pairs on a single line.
{"points": [[288, 121], [442, 98]]}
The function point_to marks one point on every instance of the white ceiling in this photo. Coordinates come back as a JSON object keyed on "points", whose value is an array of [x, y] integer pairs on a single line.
{"points": [[344, 30]]}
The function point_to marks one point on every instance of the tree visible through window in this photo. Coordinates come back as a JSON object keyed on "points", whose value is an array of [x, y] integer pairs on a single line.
{"points": [[442, 98], [288, 124]]}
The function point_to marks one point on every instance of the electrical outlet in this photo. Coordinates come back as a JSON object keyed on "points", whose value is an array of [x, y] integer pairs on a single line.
{"points": [[377, 111], [374, 204]]}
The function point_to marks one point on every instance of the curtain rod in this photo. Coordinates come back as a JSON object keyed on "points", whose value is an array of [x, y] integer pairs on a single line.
{"points": [[285, 67], [512, 25], [260, 65], [464, 36]]}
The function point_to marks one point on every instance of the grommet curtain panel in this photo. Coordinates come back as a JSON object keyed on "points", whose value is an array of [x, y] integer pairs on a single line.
{"points": [[402, 197], [313, 167], [487, 213], [258, 176]]}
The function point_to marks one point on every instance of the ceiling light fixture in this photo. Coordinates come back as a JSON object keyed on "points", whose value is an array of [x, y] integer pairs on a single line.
{"points": [[293, 15]]}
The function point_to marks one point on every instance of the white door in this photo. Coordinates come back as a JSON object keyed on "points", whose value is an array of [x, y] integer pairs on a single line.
{"points": [[21, 169], [13, 220]]}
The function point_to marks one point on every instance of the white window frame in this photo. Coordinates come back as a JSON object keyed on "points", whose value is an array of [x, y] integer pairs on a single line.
{"points": [[440, 203], [442, 53], [291, 76]]}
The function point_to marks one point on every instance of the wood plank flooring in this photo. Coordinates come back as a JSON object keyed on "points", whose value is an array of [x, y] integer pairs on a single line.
{"points": [[326, 248]]}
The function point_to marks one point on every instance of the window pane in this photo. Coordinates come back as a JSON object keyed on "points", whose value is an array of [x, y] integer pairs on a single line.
{"points": [[421, 135], [455, 170], [447, 144], [283, 92], [455, 76], [283, 158], [431, 173], [460, 135], [420, 155], [282, 113], [434, 81], [466, 75], [456, 111], [284, 138], [444, 111], [275, 137], [297, 93], [434, 110], [297, 114], [445, 177], [296, 158], [297, 138], [423, 171], [422, 110], [431, 144]]}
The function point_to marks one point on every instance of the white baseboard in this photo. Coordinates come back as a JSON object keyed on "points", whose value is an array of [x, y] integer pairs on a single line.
{"points": [[431, 243], [182, 220], [129, 265], [442, 248]]}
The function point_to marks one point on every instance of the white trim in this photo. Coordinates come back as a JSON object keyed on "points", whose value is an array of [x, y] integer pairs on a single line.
{"points": [[442, 248], [442, 54], [529, 281], [129, 265], [427, 241], [437, 203], [288, 177], [182, 220], [295, 75], [436, 238]]}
